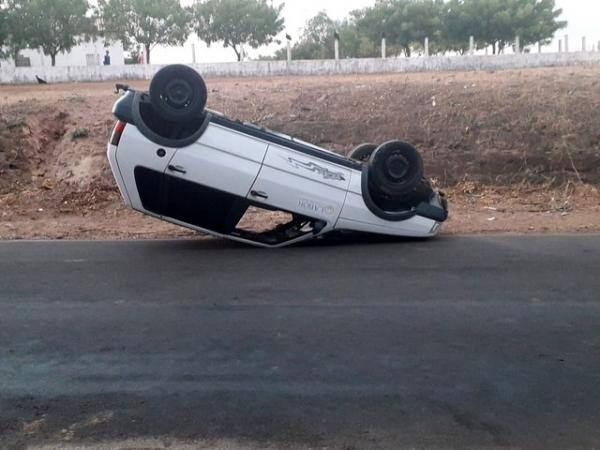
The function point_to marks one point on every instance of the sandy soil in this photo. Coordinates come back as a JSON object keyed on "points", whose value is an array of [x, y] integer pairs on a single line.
{"points": [[517, 151]]}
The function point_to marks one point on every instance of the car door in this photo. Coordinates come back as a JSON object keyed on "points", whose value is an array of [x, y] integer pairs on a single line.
{"points": [[300, 183], [207, 183], [142, 164]]}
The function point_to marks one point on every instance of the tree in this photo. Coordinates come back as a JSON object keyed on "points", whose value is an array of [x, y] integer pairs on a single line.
{"points": [[425, 20], [318, 40], [489, 21], [237, 22], [3, 29], [55, 26], [146, 23], [498, 22], [463, 20], [354, 43], [374, 22], [535, 20], [405, 23], [447, 24], [388, 17], [18, 26]]}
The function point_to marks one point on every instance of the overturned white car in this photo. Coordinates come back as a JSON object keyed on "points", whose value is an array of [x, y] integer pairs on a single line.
{"points": [[177, 161]]}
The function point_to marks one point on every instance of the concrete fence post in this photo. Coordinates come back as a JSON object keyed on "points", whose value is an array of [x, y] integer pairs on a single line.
{"points": [[517, 44], [560, 46], [337, 49], [566, 43], [289, 50], [539, 47], [583, 45], [471, 45], [426, 46], [383, 48], [194, 53]]}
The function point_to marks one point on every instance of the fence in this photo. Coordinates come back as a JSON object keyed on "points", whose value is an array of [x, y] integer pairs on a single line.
{"points": [[24, 75]]}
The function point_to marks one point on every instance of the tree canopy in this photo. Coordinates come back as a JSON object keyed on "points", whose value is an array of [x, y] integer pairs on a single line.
{"points": [[57, 26], [497, 22], [145, 23], [318, 40], [535, 21], [403, 22], [3, 24], [448, 25], [237, 22], [17, 26], [3, 29]]}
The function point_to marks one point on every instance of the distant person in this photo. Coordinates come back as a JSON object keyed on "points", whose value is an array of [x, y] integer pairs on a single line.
{"points": [[107, 58], [141, 59]]}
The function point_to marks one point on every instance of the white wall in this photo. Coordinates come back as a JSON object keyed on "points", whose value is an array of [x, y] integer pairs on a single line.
{"points": [[23, 75], [78, 56]]}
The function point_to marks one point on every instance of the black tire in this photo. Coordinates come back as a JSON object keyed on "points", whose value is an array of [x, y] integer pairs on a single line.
{"points": [[178, 93], [363, 152], [395, 168]]}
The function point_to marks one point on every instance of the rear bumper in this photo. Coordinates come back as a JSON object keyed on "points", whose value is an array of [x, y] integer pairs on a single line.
{"points": [[111, 153]]}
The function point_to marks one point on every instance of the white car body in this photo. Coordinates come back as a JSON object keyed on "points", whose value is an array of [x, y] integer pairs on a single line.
{"points": [[263, 168]]}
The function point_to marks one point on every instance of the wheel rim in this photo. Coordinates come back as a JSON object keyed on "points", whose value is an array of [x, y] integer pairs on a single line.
{"points": [[397, 167], [178, 94]]}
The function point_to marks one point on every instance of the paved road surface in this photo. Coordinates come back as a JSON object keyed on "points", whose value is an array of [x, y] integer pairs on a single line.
{"points": [[479, 341]]}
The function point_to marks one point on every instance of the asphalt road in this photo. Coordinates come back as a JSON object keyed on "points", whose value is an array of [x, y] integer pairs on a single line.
{"points": [[455, 342]]}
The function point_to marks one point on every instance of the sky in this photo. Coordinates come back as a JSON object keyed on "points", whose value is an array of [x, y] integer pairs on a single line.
{"points": [[583, 17]]}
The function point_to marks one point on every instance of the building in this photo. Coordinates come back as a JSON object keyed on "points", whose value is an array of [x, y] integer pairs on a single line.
{"points": [[86, 54]]}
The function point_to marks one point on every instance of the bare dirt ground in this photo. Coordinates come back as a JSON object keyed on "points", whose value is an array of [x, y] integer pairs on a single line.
{"points": [[517, 151]]}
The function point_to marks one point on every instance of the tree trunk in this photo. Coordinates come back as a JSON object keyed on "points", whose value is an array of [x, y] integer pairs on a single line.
{"points": [[53, 56], [238, 53], [494, 47], [147, 54]]}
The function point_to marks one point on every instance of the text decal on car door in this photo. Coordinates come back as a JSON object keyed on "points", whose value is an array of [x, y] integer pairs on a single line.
{"points": [[323, 171], [315, 207]]}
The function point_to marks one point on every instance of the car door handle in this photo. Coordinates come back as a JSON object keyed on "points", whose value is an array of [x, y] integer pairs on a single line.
{"points": [[259, 194], [177, 169]]}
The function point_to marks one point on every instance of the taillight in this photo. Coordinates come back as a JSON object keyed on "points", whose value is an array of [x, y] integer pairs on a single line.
{"points": [[117, 132]]}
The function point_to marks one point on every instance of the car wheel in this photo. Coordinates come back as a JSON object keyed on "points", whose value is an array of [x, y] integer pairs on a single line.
{"points": [[178, 93], [395, 168], [363, 152]]}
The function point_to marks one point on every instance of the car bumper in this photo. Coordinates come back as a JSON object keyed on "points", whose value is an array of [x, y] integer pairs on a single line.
{"points": [[114, 167]]}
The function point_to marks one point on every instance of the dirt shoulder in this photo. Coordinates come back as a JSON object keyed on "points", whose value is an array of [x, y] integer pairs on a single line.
{"points": [[484, 210], [517, 151]]}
